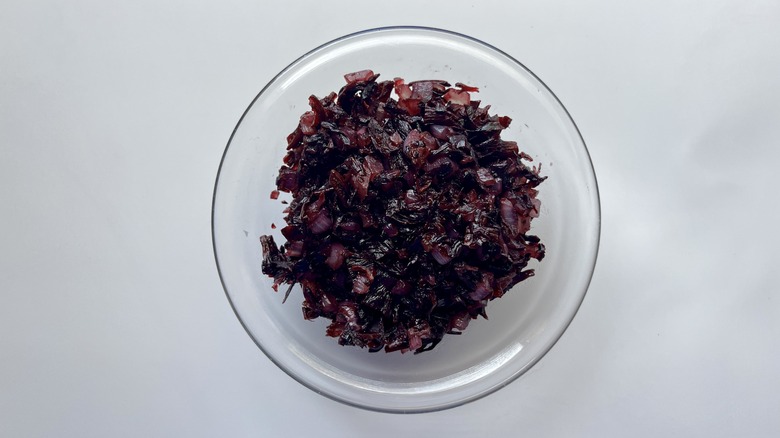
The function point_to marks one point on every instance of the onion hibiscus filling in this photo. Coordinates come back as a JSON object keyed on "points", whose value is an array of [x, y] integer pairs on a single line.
{"points": [[408, 213]]}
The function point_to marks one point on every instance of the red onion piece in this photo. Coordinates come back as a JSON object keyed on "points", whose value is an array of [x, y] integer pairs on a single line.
{"points": [[336, 255], [359, 76], [321, 223], [456, 96], [309, 123], [402, 90], [441, 132]]}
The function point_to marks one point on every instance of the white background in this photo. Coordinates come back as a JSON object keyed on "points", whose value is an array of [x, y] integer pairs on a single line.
{"points": [[113, 119]]}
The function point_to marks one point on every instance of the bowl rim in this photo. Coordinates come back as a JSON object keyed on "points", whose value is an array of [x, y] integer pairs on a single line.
{"points": [[534, 360]]}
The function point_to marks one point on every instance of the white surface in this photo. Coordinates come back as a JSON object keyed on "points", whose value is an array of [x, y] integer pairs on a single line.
{"points": [[113, 118]]}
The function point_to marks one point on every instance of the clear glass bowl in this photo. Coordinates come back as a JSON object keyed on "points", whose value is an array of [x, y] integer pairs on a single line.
{"points": [[523, 325]]}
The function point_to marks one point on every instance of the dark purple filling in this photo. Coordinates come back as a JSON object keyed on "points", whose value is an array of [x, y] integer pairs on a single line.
{"points": [[407, 216]]}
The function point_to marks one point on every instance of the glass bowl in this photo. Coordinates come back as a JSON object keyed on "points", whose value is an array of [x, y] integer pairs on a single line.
{"points": [[523, 325]]}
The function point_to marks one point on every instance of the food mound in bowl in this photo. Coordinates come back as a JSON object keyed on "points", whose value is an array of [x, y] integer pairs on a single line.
{"points": [[407, 215]]}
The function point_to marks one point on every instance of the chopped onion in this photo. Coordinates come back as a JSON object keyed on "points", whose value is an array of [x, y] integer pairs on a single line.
{"points": [[406, 216]]}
